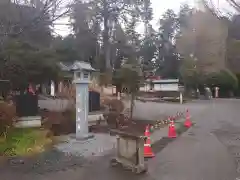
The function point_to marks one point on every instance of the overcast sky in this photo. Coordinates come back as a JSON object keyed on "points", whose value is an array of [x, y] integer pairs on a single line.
{"points": [[159, 7]]}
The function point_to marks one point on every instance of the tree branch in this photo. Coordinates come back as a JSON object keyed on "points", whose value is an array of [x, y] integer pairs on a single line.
{"points": [[234, 4], [48, 11], [216, 11]]}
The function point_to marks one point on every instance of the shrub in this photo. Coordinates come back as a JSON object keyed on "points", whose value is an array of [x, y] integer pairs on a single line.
{"points": [[60, 122], [224, 79], [105, 78], [117, 115], [130, 77], [7, 114], [237, 92]]}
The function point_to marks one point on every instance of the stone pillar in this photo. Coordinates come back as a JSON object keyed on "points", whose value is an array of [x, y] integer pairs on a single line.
{"points": [[216, 92], [52, 90], [82, 110], [60, 87], [181, 98]]}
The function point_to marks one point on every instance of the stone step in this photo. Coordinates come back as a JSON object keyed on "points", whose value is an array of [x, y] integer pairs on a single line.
{"points": [[28, 121]]}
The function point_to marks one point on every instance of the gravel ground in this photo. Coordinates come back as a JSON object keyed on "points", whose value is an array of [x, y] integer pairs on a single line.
{"points": [[40, 167], [50, 161], [208, 151], [100, 145], [230, 136], [71, 155]]}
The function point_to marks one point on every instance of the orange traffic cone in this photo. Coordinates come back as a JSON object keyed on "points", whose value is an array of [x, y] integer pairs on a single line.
{"points": [[188, 122], [147, 146], [171, 130]]}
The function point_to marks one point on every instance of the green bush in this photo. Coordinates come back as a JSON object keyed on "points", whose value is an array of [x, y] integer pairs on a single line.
{"points": [[129, 76], [105, 78], [237, 91], [224, 79]]}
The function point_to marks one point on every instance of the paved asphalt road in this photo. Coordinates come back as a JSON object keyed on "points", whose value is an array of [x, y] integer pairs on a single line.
{"points": [[208, 151]]}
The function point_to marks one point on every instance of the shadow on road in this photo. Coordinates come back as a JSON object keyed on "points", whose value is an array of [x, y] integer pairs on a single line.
{"points": [[161, 144]]}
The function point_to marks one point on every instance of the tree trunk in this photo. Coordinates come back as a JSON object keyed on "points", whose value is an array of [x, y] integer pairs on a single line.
{"points": [[132, 105], [106, 46]]}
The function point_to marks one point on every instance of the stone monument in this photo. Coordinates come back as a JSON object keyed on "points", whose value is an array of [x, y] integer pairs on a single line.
{"points": [[82, 73]]}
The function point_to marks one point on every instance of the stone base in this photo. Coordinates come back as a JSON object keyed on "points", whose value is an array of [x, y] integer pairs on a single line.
{"points": [[93, 118], [125, 164], [28, 122], [83, 138]]}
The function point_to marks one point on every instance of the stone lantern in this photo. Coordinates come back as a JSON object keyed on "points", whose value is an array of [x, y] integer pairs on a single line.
{"points": [[81, 78]]}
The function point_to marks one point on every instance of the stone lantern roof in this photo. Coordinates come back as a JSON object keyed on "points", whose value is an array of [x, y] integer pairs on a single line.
{"points": [[77, 65]]}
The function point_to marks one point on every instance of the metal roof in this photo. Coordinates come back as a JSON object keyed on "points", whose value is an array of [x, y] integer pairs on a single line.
{"points": [[166, 81]]}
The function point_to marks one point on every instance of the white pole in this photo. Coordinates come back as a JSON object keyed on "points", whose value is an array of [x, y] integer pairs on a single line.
{"points": [[52, 89], [181, 98]]}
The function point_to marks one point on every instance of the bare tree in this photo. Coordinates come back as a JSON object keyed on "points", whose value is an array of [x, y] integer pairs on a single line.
{"points": [[234, 4], [13, 13], [210, 5], [110, 14], [204, 37]]}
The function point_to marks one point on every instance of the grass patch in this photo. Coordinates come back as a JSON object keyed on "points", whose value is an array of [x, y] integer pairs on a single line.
{"points": [[180, 128], [22, 142]]}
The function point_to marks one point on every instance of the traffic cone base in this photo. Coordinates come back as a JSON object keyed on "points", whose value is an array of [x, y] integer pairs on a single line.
{"points": [[188, 123], [150, 155], [148, 151]]}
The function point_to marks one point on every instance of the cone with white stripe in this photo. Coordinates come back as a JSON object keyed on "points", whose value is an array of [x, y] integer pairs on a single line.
{"points": [[188, 122], [171, 130], [147, 146]]}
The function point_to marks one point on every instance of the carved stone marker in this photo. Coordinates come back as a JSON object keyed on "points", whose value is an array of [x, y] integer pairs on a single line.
{"points": [[130, 151], [82, 72]]}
